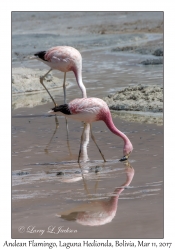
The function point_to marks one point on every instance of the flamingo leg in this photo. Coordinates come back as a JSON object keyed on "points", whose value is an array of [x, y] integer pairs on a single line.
{"points": [[64, 90], [97, 181], [67, 129], [84, 181], [56, 121], [64, 87], [41, 81], [57, 125], [81, 143], [93, 138]]}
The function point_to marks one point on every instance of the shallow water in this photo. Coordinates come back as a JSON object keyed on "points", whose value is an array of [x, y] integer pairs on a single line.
{"points": [[50, 190], [47, 180]]}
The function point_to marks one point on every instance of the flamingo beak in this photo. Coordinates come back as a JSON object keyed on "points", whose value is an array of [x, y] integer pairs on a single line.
{"points": [[124, 158], [51, 111]]}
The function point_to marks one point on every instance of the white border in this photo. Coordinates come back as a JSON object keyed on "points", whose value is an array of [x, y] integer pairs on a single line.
{"points": [[5, 128]]}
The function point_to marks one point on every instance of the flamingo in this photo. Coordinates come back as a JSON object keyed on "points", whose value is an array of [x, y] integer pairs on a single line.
{"points": [[90, 110], [63, 58]]}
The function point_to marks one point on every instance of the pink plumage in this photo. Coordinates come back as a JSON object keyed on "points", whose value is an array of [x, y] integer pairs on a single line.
{"points": [[88, 109], [65, 59], [93, 109]]}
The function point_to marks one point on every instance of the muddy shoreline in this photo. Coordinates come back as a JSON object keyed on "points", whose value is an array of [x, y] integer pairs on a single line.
{"points": [[137, 98]]}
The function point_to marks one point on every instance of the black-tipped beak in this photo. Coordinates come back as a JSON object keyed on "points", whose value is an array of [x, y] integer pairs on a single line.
{"points": [[53, 110], [124, 158]]}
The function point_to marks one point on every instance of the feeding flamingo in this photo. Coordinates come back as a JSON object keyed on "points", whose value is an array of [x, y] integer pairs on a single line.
{"points": [[63, 58], [93, 109]]}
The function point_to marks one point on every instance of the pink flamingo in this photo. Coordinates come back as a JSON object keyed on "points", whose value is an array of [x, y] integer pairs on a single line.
{"points": [[93, 109], [63, 58]]}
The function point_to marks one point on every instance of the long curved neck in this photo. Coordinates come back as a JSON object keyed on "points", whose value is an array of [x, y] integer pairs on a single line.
{"points": [[112, 128], [78, 75]]}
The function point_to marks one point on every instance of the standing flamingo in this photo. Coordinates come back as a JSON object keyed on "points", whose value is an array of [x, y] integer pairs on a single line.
{"points": [[90, 110], [63, 58]]}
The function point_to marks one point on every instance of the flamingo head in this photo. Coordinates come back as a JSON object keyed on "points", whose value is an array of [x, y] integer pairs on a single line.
{"points": [[64, 109], [127, 150]]}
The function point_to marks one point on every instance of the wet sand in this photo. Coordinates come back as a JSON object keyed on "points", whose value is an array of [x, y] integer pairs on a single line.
{"points": [[47, 181]]}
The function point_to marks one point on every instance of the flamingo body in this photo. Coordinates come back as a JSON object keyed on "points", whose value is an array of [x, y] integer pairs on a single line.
{"points": [[90, 110], [64, 58]]}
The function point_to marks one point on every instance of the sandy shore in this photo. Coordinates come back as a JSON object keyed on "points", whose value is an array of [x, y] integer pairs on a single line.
{"points": [[26, 80], [137, 98], [27, 90]]}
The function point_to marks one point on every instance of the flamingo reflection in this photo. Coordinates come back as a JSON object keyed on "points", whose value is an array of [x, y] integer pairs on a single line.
{"points": [[99, 212], [51, 139]]}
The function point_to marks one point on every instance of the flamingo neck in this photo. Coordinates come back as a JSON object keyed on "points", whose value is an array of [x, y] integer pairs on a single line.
{"points": [[78, 75], [112, 128]]}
